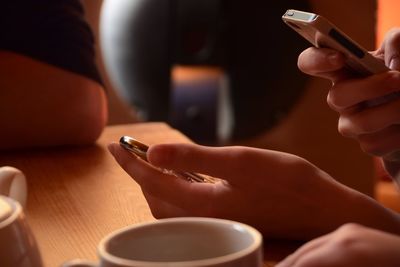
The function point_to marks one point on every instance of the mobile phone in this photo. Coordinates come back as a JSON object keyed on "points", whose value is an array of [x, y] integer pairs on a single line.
{"points": [[139, 149], [322, 33]]}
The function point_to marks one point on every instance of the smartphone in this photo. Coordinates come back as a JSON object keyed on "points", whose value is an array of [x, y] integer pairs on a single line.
{"points": [[139, 149], [322, 33]]}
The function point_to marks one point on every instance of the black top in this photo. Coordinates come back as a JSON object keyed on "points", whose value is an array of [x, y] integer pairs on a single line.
{"points": [[52, 31]]}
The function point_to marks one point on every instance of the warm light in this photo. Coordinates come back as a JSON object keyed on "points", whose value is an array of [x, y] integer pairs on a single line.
{"points": [[190, 74], [388, 17]]}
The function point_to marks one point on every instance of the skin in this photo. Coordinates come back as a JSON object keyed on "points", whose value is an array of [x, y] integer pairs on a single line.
{"points": [[258, 184], [282, 195], [351, 245], [42, 105], [376, 129]]}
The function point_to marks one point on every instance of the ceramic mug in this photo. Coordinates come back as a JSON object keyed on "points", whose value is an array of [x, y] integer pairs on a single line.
{"points": [[180, 242], [17, 244]]}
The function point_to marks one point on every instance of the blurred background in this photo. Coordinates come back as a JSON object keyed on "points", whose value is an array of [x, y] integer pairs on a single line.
{"points": [[218, 70], [285, 111]]}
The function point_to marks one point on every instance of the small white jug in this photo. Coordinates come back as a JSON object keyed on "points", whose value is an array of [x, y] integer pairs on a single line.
{"points": [[18, 247]]}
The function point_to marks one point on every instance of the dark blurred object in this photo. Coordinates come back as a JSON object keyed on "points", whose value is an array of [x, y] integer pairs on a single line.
{"points": [[143, 40]]}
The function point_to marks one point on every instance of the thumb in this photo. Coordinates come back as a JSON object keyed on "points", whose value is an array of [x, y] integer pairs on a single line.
{"points": [[392, 49], [227, 163], [190, 157], [233, 164]]}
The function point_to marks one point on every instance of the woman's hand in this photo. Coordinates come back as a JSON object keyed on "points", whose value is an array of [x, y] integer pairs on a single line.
{"points": [[351, 245], [281, 194], [369, 107]]}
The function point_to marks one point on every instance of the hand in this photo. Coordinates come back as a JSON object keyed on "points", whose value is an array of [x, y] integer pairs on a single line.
{"points": [[350, 246], [368, 107], [280, 194]]}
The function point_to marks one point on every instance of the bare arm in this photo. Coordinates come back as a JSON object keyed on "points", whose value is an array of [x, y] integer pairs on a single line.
{"points": [[282, 195], [42, 105]]}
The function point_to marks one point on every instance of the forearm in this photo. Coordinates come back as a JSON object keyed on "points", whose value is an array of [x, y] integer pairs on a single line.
{"points": [[42, 105], [370, 213]]}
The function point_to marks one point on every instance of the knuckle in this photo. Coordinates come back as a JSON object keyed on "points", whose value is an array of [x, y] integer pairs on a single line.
{"points": [[345, 130], [355, 125], [350, 228], [333, 101], [238, 156], [348, 235]]}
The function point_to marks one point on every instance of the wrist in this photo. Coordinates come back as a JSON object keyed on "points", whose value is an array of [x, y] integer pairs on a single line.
{"points": [[370, 213]]}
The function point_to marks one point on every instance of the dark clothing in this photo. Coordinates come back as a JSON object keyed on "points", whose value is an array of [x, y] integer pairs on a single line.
{"points": [[247, 39], [51, 31]]}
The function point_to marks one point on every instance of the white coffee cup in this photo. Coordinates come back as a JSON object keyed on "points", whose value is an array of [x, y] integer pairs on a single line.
{"points": [[180, 242], [17, 244]]}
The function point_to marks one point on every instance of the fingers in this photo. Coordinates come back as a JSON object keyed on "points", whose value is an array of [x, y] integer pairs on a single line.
{"points": [[311, 246], [193, 158], [382, 143], [370, 120], [391, 50], [173, 190], [322, 62], [234, 164], [346, 94]]}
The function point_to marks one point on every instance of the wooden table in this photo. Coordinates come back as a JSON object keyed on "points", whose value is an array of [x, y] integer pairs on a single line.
{"points": [[79, 195]]}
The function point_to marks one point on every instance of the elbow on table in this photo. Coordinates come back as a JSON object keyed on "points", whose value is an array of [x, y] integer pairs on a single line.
{"points": [[44, 105], [89, 121]]}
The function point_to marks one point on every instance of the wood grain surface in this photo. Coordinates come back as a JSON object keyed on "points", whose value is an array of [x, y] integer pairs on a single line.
{"points": [[79, 195]]}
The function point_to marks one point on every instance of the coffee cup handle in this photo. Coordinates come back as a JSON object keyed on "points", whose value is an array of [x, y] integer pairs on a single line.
{"points": [[13, 184], [79, 263]]}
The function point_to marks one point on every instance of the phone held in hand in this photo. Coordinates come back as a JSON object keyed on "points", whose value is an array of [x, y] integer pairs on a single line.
{"points": [[322, 33], [140, 150]]}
